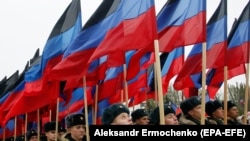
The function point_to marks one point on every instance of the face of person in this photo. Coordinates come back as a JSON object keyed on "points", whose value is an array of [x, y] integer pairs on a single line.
{"points": [[122, 119], [33, 138], [233, 112], [196, 112], [171, 119], [77, 132], [51, 135], [60, 134], [142, 121], [218, 113]]}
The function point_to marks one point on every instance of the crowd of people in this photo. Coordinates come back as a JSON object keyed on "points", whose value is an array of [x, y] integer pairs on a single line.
{"points": [[119, 114]]}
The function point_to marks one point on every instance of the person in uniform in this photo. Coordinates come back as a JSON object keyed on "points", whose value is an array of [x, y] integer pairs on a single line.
{"points": [[140, 117], [116, 114], [191, 111], [32, 135], [170, 117], [50, 131], [76, 128], [215, 112]]}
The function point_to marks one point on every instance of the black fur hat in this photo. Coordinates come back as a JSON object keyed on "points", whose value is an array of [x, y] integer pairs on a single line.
{"points": [[75, 119], [189, 104], [50, 126], [155, 115], [212, 106], [110, 113], [61, 129], [31, 133], [138, 113], [230, 104]]}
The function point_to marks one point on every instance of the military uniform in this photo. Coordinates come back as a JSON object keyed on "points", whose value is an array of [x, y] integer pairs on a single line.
{"points": [[73, 120], [67, 137], [210, 108]]}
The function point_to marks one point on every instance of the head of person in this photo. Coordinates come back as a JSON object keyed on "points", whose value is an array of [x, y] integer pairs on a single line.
{"points": [[232, 110], [50, 130], [140, 117], [75, 124], [116, 114], [61, 131], [169, 116], [191, 107], [214, 109], [32, 135]]}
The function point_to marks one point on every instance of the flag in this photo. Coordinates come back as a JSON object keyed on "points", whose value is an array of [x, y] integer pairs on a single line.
{"points": [[171, 63], [217, 39], [11, 100], [215, 49], [3, 85], [114, 25], [138, 61], [13, 94], [10, 127], [215, 77], [238, 47], [172, 66], [101, 106], [112, 82], [64, 31], [137, 19], [19, 105], [76, 102], [181, 23], [10, 82], [190, 91], [138, 88]]}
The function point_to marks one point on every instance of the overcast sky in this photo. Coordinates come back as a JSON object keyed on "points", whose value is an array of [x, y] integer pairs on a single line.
{"points": [[26, 24]]}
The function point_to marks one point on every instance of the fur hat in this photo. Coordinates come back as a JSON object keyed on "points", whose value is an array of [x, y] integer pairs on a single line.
{"points": [[110, 113], [189, 104], [230, 104], [61, 129], [50, 126], [31, 133], [75, 119], [138, 113], [212, 106], [155, 115]]}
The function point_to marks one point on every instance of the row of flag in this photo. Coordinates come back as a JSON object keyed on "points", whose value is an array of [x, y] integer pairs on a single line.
{"points": [[112, 57]]}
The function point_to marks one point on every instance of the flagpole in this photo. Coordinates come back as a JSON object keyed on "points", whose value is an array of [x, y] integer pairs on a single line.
{"points": [[38, 124], [225, 95], [125, 84], [25, 126], [155, 85], [50, 113], [203, 96], [246, 95], [96, 99], [159, 82], [57, 115], [86, 108]]}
